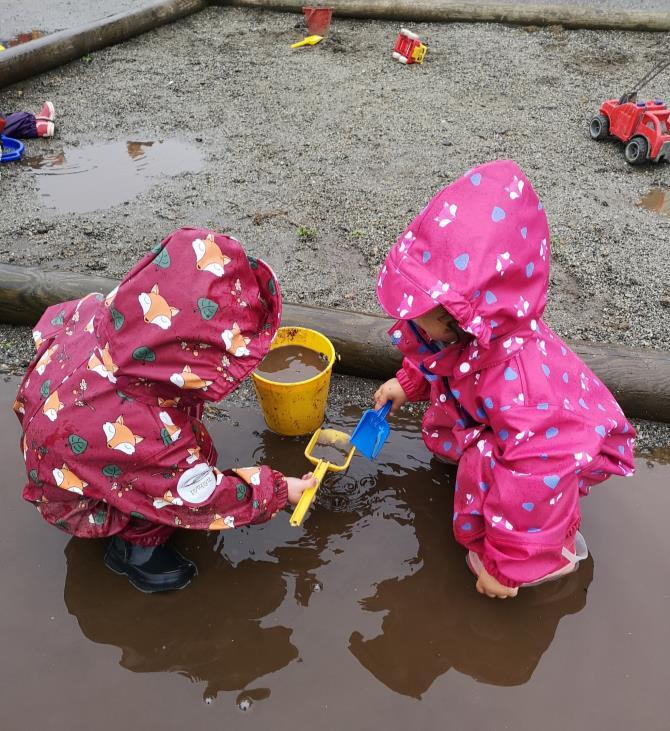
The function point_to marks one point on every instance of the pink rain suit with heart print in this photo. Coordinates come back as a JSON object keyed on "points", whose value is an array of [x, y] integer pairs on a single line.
{"points": [[111, 404], [529, 425]]}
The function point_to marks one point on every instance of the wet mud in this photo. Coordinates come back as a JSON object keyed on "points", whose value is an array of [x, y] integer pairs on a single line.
{"points": [[101, 176], [366, 617], [656, 200], [291, 363]]}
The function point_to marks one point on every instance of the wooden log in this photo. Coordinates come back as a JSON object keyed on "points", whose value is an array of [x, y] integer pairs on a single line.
{"points": [[452, 11], [35, 57], [640, 379]]}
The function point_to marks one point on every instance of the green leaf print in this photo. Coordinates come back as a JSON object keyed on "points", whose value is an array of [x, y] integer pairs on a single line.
{"points": [[135, 514], [165, 436], [34, 477], [117, 317], [123, 396], [59, 319], [272, 287], [77, 444], [111, 470], [99, 517], [162, 260], [253, 263], [241, 490], [62, 524], [144, 354], [207, 308], [255, 504], [45, 389]]}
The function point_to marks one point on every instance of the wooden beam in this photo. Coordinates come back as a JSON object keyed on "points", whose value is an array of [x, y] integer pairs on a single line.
{"points": [[639, 379]]}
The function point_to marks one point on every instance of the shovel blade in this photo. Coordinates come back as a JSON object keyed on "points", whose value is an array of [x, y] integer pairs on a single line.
{"points": [[370, 434]]}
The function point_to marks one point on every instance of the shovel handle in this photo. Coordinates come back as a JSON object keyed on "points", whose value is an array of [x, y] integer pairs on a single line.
{"points": [[307, 497], [384, 411]]}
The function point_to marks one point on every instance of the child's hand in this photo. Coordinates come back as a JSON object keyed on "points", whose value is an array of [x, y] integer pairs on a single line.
{"points": [[390, 391], [296, 487], [486, 584]]}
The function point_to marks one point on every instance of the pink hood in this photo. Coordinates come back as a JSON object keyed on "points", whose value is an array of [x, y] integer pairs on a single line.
{"points": [[480, 249]]}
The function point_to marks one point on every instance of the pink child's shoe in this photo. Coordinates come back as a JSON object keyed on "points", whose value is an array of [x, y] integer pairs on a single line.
{"points": [[574, 551], [44, 121]]}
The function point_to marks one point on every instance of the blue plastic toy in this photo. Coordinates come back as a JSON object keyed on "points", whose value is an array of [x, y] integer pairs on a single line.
{"points": [[11, 149], [372, 431]]}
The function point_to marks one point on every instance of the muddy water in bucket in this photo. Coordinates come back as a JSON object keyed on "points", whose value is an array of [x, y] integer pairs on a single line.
{"points": [[364, 618], [291, 363]]}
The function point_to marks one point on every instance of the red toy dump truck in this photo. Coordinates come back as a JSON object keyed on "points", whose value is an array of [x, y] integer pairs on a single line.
{"points": [[642, 126]]}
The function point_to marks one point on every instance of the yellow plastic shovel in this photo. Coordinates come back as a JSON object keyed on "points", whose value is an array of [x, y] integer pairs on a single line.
{"points": [[333, 444], [309, 41]]}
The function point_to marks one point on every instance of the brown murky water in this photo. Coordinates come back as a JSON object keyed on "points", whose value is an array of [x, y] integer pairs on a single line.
{"points": [[364, 618], [104, 175], [291, 363], [656, 200], [332, 452]]}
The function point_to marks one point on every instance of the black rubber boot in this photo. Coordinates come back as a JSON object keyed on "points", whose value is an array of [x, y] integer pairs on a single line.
{"points": [[152, 568]]}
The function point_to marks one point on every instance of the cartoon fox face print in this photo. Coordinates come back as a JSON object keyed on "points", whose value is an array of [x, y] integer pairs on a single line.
{"points": [[109, 299], [221, 523], [190, 380], [515, 188], [37, 338], [67, 480], [446, 215], [173, 431], [88, 327], [52, 406], [44, 361], [19, 407], [166, 403], [156, 310], [103, 364], [120, 437], [193, 455], [167, 499], [236, 343], [209, 258]]}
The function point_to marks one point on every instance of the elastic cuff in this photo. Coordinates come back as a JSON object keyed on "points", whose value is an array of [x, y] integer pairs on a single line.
{"points": [[280, 497], [492, 570], [406, 384]]}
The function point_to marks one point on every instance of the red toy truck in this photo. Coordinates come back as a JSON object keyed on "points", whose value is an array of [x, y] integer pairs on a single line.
{"points": [[643, 126], [408, 48]]}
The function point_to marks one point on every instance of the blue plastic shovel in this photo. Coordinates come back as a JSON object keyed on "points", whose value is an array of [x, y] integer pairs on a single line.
{"points": [[372, 431]]}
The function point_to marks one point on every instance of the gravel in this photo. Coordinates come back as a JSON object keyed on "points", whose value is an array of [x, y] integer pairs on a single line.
{"points": [[342, 141]]}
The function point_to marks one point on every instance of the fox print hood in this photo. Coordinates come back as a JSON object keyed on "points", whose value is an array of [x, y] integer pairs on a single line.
{"points": [[190, 321], [480, 248]]}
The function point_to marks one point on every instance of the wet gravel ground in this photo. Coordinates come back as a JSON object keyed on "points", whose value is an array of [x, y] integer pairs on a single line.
{"points": [[316, 159]]}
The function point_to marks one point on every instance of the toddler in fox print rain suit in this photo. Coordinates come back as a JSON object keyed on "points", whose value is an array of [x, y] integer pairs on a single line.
{"points": [[529, 425], [111, 405]]}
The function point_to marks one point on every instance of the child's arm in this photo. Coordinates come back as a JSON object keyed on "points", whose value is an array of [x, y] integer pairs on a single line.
{"points": [[408, 385], [180, 485]]}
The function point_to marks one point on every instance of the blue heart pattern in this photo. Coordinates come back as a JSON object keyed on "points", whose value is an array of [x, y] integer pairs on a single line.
{"points": [[551, 481], [461, 262], [528, 506], [426, 257], [490, 298], [497, 214], [510, 374], [551, 432]]}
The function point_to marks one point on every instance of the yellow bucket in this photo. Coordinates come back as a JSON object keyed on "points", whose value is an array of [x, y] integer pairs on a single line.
{"points": [[297, 408]]}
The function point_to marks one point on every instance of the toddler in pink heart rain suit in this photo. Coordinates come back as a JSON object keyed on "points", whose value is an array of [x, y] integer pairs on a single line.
{"points": [[530, 427]]}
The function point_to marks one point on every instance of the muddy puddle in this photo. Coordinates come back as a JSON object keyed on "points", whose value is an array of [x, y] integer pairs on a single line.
{"points": [[656, 200], [365, 617], [100, 176]]}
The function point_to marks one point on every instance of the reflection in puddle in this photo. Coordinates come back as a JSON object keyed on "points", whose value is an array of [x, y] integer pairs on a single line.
{"points": [[20, 38], [370, 596], [656, 200], [80, 179]]}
